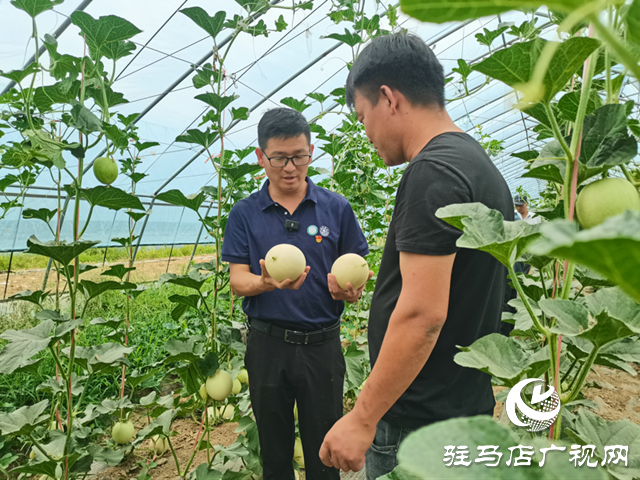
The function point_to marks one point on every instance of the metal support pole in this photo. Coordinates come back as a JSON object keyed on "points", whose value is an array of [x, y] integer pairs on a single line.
{"points": [[169, 262], [104, 260], [6, 285]]}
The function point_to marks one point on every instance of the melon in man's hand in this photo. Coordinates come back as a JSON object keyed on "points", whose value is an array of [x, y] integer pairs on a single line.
{"points": [[350, 268], [106, 170], [605, 198], [285, 261]]}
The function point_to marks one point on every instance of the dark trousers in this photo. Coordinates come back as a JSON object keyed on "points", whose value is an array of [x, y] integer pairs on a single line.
{"points": [[281, 373]]}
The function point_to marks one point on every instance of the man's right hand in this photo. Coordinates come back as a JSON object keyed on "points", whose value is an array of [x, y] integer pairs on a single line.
{"points": [[267, 283]]}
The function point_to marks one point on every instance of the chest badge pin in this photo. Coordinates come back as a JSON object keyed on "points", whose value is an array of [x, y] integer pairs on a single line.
{"points": [[312, 230], [318, 238], [324, 231]]}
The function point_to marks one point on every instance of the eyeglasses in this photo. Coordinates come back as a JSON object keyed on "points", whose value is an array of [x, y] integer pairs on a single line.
{"points": [[281, 162]]}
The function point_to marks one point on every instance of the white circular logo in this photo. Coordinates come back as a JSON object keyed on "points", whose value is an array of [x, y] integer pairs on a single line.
{"points": [[312, 230], [324, 231], [546, 406]]}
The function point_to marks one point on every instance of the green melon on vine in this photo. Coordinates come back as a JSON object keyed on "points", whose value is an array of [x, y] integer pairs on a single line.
{"points": [[106, 170]]}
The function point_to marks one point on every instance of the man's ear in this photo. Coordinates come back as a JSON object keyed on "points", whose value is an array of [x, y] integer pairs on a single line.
{"points": [[387, 94], [311, 150], [260, 155]]}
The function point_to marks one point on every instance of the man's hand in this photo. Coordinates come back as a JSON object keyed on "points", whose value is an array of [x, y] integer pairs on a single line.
{"points": [[351, 295], [268, 283], [347, 442]]}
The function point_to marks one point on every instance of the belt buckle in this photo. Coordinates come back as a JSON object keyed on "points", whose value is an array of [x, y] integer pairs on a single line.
{"points": [[286, 337]]}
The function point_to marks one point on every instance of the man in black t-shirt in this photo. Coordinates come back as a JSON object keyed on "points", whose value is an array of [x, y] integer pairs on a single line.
{"points": [[430, 295]]}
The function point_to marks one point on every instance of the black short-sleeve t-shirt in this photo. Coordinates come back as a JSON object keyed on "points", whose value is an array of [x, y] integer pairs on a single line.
{"points": [[452, 168]]}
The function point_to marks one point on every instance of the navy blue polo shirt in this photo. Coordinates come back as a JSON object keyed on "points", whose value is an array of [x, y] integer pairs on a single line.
{"points": [[328, 229]]}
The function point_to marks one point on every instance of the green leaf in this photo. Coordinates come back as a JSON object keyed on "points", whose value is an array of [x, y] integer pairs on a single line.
{"points": [[109, 406], [485, 229], [463, 69], [43, 214], [437, 11], [101, 358], [34, 297], [252, 6], [355, 373], [203, 473], [110, 197], [61, 65], [488, 36], [184, 302], [572, 318], [105, 456], [515, 65], [57, 317], [59, 93], [605, 140], [104, 30], [24, 420], [194, 279], [113, 323], [208, 365], [217, 102], [549, 170], [609, 248], [176, 197], [204, 77], [499, 356], [422, 453], [568, 104], [350, 38], [118, 50], [84, 119], [633, 21], [118, 271], [35, 7], [526, 155], [589, 278], [590, 429], [212, 25], [552, 214], [70, 270], [298, 105], [241, 113], [24, 344], [187, 351], [19, 75], [235, 173], [281, 24], [63, 252], [113, 98], [204, 139], [92, 290]]}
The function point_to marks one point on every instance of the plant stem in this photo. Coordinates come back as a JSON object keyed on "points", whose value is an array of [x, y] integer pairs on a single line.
{"points": [[525, 300], [582, 375], [38, 446], [573, 364], [616, 45], [557, 133], [175, 457], [568, 280]]}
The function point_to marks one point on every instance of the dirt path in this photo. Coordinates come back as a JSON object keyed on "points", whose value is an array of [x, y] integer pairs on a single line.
{"points": [[146, 271]]}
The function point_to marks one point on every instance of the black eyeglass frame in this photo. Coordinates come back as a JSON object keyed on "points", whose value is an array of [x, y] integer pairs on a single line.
{"points": [[289, 159]]}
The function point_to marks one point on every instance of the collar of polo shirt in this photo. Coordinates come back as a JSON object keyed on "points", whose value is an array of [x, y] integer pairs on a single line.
{"points": [[266, 201]]}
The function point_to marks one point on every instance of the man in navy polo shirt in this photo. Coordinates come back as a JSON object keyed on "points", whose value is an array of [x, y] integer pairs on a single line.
{"points": [[293, 345]]}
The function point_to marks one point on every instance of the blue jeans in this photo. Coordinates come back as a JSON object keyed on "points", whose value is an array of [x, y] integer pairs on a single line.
{"points": [[381, 456]]}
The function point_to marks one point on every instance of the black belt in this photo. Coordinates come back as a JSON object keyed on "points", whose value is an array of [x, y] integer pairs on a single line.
{"points": [[294, 336]]}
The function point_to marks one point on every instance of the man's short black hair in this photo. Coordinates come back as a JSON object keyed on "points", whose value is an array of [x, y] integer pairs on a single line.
{"points": [[282, 123], [403, 62]]}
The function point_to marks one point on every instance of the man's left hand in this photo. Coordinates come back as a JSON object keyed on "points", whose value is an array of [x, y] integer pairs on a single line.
{"points": [[345, 445], [351, 295]]}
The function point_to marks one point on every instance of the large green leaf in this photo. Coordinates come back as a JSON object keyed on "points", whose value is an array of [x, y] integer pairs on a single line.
{"points": [[590, 429], [485, 229], [218, 102], [104, 30], [92, 290], [589, 278], [515, 65], [43, 214], [572, 318], [355, 373], [19, 75], [239, 171], [176, 197], [611, 249], [440, 11], [24, 420], [84, 119], [184, 302], [568, 104], [34, 297], [63, 252], [110, 197], [118, 50], [187, 351], [212, 25], [59, 93], [605, 139], [35, 7], [101, 358], [204, 139], [549, 170], [193, 279], [499, 356], [118, 271], [423, 454], [24, 344], [159, 426]]}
